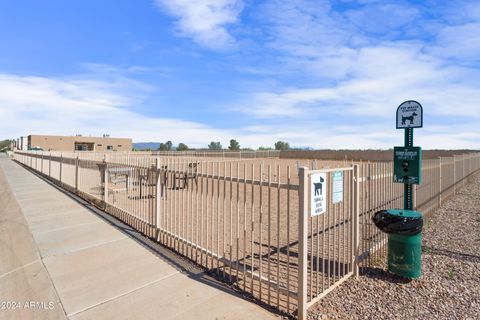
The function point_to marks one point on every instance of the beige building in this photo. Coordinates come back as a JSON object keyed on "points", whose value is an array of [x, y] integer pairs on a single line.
{"points": [[78, 143]]}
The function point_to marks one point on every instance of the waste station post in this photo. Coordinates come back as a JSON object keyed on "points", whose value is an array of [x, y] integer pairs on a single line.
{"points": [[408, 188]]}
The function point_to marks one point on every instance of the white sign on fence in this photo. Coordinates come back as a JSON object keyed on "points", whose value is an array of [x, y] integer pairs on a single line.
{"points": [[337, 192], [318, 193], [410, 115]]}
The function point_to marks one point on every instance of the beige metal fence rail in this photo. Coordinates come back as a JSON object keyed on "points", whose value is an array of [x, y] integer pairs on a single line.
{"points": [[247, 222], [254, 154], [221, 154]]}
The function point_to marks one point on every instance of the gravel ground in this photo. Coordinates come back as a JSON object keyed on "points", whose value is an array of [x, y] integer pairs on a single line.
{"points": [[449, 287]]}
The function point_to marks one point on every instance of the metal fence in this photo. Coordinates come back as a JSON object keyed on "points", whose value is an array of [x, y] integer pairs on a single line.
{"points": [[214, 154], [247, 222]]}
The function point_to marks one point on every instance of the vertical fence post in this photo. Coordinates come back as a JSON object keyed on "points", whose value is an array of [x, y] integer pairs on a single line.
{"points": [[157, 197], [60, 174], [302, 243], [76, 173], [41, 164], [463, 170], [454, 175], [50, 165], [356, 218], [440, 183], [105, 180]]}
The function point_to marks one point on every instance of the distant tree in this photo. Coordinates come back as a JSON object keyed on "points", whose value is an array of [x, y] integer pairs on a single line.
{"points": [[282, 145], [215, 145], [182, 147], [4, 145], [167, 146], [234, 145], [265, 148]]}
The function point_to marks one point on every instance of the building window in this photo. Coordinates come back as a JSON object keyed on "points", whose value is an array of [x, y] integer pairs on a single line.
{"points": [[109, 147], [99, 145], [119, 145], [84, 146]]}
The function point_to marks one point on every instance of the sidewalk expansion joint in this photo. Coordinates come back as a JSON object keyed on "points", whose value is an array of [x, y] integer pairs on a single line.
{"points": [[123, 294]]}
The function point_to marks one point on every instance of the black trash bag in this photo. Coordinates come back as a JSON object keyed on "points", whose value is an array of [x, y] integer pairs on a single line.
{"points": [[395, 224]]}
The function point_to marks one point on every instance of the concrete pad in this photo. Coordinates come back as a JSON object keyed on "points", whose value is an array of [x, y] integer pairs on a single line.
{"points": [[22, 252], [177, 297], [53, 204], [35, 195], [51, 222], [90, 277], [30, 284], [17, 246], [70, 212], [224, 307], [76, 238]]}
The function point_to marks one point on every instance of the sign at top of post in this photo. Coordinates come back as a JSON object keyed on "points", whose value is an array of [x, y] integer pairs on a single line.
{"points": [[410, 115]]}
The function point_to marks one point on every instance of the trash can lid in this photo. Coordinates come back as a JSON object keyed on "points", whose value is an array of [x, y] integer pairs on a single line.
{"points": [[405, 213]]}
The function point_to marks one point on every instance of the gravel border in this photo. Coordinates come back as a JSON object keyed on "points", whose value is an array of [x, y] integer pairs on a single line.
{"points": [[449, 287]]}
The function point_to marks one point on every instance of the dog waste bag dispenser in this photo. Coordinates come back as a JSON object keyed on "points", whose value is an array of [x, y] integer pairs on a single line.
{"points": [[407, 165], [404, 227]]}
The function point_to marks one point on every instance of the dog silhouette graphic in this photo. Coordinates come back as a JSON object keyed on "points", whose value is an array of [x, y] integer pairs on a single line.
{"points": [[409, 118], [319, 187]]}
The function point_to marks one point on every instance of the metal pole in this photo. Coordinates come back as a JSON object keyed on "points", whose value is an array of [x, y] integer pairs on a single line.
{"points": [[408, 188], [440, 183], [303, 243], [356, 218], [157, 197], [105, 180], [76, 173], [454, 175], [60, 174]]}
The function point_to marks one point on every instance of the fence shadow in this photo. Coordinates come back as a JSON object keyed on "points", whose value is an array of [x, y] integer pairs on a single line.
{"points": [[383, 275], [451, 254]]}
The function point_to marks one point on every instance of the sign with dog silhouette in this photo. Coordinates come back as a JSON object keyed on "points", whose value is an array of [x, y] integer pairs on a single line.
{"points": [[318, 193], [410, 115]]}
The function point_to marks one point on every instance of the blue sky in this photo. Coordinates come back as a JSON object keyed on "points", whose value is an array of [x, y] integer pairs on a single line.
{"points": [[323, 74]]}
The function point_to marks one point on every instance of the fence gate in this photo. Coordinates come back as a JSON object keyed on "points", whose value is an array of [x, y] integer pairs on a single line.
{"points": [[328, 232]]}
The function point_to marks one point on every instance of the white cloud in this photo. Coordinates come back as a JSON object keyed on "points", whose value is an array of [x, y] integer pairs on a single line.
{"points": [[68, 106], [205, 21], [383, 18], [379, 78], [459, 42]]}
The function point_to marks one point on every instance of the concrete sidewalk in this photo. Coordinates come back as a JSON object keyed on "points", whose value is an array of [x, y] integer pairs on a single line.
{"points": [[59, 260]]}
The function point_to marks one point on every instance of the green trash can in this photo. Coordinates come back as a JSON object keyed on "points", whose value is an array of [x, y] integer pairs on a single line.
{"points": [[404, 228]]}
